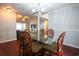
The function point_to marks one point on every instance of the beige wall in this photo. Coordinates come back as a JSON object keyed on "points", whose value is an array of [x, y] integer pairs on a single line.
{"points": [[7, 25]]}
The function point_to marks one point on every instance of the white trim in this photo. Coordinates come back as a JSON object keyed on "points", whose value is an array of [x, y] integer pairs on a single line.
{"points": [[7, 40], [75, 46]]}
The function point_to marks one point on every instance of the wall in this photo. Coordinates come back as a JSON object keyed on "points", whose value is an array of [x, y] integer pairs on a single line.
{"points": [[66, 19], [7, 25]]}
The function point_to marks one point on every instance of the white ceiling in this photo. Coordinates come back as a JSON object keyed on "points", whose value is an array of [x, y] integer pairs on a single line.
{"points": [[26, 8]]}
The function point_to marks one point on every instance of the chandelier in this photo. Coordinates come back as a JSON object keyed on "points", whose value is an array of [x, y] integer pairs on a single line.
{"points": [[40, 12]]}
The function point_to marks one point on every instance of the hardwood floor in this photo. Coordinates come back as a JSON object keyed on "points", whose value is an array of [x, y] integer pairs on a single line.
{"points": [[12, 49], [70, 51]]}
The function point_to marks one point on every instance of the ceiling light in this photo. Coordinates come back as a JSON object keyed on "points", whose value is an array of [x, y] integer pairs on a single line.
{"points": [[9, 10], [6, 9], [23, 19], [18, 16]]}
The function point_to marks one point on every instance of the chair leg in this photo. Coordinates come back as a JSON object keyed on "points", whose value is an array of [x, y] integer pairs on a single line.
{"points": [[60, 53]]}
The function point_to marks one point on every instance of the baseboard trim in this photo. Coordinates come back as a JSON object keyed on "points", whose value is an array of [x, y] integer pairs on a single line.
{"points": [[7, 40], [74, 46]]}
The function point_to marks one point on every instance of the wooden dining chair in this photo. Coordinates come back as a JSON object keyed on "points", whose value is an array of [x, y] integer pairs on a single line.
{"points": [[56, 48], [27, 47], [50, 33], [18, 33], [25, 44]]}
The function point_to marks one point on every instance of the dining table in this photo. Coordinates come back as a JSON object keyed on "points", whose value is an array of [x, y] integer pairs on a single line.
{"points": [[38, 45], [47, 44]]}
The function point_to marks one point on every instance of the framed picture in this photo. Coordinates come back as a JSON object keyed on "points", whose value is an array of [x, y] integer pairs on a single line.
{"points": [[34, 28]]}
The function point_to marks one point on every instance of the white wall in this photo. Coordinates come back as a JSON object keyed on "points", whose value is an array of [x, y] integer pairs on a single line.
{"points": [[66, 19], [7, 26]]}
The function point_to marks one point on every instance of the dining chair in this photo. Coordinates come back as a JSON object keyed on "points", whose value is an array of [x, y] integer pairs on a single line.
{"points": [[42, 32], [50, 33], [18, 32], [25, 44], [56, 48]]}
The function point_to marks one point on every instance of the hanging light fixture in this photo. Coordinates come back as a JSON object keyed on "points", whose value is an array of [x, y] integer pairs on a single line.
{"points": [[40, 12]]}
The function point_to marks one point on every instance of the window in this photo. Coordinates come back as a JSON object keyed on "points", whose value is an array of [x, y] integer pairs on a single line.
{"points": [[20, 26]]}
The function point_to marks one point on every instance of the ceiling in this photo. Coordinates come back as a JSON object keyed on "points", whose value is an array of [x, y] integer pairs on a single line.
{"points": [[26, 8]]}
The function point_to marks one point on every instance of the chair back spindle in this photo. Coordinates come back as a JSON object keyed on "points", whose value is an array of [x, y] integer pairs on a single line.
{"points": [[25, 43]]}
